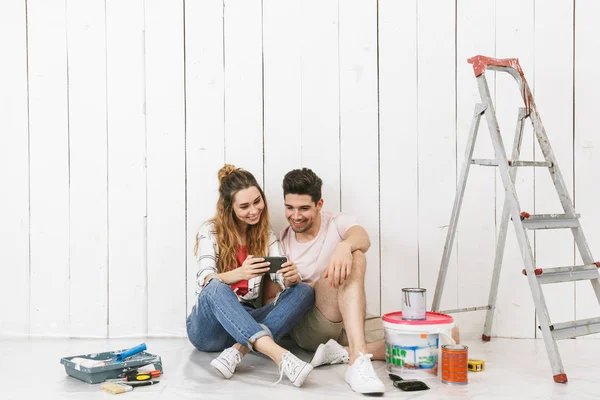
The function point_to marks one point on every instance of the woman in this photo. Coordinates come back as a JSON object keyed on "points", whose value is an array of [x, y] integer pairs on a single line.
{"points": [[229, 249]]}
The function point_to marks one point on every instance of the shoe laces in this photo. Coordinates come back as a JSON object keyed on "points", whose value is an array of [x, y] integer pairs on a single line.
{"points": [[364, 366], [232, 356], [288, 365], [340, 355]]}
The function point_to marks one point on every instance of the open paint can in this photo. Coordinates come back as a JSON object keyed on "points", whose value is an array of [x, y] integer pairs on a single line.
{"points": [[454, 364], [413, 304]]}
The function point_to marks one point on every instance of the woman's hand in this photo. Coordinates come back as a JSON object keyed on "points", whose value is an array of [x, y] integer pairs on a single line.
{"points": [[290, 273], [251, 268]]}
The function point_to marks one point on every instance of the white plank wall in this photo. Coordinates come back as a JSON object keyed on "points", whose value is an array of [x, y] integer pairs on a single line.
{"points": [[514, 39], [282, 44], [204, 120], [475, 237], [165, 159], [587, 142], [88, 246], [436, 100], [14, 175], [49, 169], [398, 136], [116, 116], [358, 127], [244, 85], [320, 119], [125, 82]]}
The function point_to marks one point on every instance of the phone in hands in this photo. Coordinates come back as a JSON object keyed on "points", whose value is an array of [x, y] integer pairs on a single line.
{"points": [[276, 263]]}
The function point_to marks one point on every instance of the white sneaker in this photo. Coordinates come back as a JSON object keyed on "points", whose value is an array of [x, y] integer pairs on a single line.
{"points": [[362, 377], [330, 353], [295, 369], [227, 361]]}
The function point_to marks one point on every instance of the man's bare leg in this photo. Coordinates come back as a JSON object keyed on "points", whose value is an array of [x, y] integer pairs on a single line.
{"points": [[376, 348], [348, 304]]}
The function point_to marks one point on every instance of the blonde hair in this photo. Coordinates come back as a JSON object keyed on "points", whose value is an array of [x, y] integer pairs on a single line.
{"points": [[231, 181]]}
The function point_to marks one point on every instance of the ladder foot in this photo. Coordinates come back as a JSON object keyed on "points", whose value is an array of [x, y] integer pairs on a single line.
{"points": [[485, 338], [560, 378]]}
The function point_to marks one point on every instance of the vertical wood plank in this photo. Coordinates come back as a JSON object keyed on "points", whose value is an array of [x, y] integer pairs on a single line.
{"points": [[14, 164], [514, 316], [554, 99], [166, 167], [398, 157], [359, 142], [49, 168], [283, 35], [86, 37], [205, 123], [320, 96], [244, 85], [127, 286], [587, 143], [436, 142], [476, 228]]}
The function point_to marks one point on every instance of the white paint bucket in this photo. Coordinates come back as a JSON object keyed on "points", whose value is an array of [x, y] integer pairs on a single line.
{"points": [[413, 303], [413, 347]]}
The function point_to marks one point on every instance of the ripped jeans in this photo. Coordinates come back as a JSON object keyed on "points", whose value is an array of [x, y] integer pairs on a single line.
{"points": [[219, 320]]}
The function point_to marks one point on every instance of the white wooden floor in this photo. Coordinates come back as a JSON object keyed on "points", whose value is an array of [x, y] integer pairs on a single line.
{"points": [[515, 369]]}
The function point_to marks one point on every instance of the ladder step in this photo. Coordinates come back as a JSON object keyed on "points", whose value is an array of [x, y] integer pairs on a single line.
{"points": [[572, 329], [549, 221], [567, 274], [459, 310], [494, 163]]}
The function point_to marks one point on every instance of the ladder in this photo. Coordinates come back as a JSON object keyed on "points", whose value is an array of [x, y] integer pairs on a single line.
{"points": [[523, 221]]}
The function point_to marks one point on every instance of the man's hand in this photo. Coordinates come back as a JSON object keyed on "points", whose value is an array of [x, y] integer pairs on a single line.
{"points": [[340, 265], [290, 273]]}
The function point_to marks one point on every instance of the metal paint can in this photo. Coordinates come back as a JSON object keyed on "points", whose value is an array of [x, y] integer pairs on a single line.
{"points": [[413, 304], [454, 364]]}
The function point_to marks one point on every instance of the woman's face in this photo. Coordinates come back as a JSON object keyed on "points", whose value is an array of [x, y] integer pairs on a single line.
{"points": [[248, 205]]}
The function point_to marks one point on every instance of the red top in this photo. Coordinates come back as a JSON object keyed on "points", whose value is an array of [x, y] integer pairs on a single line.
{"points": [[241, 286], [432, 318], [480, 63]]}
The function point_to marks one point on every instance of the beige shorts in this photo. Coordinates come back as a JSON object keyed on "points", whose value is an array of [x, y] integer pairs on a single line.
{"points": [[314, 329]]}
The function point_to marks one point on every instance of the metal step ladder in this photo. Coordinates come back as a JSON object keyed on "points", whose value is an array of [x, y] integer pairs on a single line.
{"points": [[523, 221]]}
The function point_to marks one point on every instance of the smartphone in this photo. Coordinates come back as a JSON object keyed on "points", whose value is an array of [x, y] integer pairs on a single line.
{"points": [[276, 263]]}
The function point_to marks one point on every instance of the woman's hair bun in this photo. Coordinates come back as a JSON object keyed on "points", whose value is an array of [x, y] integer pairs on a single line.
{"points": [[225, 171]]}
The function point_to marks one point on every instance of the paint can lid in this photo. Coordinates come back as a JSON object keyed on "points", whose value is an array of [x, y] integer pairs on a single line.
{"points": [[431, 318], [416, 290], [456, 347]]}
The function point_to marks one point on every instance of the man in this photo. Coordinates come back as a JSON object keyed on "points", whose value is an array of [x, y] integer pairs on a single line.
{"points": [[328, 250]]}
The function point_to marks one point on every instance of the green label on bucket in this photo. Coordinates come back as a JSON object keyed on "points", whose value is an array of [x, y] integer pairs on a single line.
{"points": [[420, 354]]}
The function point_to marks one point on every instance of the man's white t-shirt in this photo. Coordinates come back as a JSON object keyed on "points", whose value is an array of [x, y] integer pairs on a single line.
{"points": [[312, 257]]}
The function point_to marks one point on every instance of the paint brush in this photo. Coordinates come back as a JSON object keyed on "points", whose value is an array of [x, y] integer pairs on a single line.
{"points": [[408, 385], [116, 388]]}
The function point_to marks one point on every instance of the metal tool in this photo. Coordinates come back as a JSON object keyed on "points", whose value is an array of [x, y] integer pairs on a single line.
{"points": [[522, 220]]}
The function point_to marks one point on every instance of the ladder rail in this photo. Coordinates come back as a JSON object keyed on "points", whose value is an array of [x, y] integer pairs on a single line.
{"points": [[522, 238], [460, 190], [501, 242], [559, 184]]}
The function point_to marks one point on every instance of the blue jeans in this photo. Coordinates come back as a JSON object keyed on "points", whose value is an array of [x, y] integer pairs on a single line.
{"points": [[219, 320]]}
